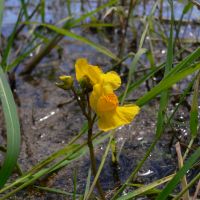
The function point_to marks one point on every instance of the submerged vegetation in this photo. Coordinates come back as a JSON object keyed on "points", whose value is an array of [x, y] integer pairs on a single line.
{"points": [[67, 139]]}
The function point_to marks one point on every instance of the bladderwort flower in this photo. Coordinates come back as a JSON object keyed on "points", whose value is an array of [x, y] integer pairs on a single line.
{"points": [[102, 98], [95, 75]]}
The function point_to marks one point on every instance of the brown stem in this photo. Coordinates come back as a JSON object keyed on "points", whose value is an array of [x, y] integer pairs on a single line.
{"points": [[44, 51], [92, 159], [124, 27], [80, 103], [91, 121]]}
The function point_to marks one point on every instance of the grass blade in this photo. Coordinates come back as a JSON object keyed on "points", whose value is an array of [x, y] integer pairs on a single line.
{"points": [[166, 83], [7, 50], [87, 187], [194, 109], [100, 168], [86, 15], [165, 94], [185, 63], [179, 175], [132, 70], [1, 12], [143, 79], [42, 10], [13, 129], [55, 191], [68, 33], [192, 182], [30, 178], [146, 188]]}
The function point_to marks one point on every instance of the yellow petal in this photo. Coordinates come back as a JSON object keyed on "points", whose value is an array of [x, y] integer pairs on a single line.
{"points": [[94, 74], [83, 68], [95, 95], [99, 91], [121, 116], [113, 79], [106, 103]]}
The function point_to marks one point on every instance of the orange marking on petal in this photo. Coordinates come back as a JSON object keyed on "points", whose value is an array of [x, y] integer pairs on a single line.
{"points": [[106, 103]]}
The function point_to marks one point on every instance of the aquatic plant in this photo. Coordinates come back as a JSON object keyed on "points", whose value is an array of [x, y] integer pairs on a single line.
{"points": [[157, 64], [97, 93]]}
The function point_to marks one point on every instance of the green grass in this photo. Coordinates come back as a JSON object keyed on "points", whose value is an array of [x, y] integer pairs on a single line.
{"points": [[181, 63], [11, 121]]}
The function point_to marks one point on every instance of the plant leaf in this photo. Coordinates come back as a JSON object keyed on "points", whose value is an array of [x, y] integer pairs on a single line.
{"points": [[12, 127]]}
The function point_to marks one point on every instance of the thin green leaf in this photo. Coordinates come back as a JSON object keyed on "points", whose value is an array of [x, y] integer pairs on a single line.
{"points": [[20, 58], [42, 10], [166, 83], [29, 178], [185, 63], [12, 127], [187, 7], [84, 16], [136, 84], [192, 182], [24, 8], [132, 70], [100, 168], [163, 103], [70, 34], [179, 175], [194, 109], [146, 188], [7, 50], [1, 12], [139, 53], [69, 7], [153, 9], [87, 187], [55, 191], [165, 94], [98, 25]]}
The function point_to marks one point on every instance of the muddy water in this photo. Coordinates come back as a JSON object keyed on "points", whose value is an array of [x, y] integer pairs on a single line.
{"points": [[50, 118]]}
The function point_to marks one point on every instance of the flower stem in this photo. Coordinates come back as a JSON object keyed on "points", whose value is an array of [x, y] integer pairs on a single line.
{"points": [[80, 103], [92, 159]]}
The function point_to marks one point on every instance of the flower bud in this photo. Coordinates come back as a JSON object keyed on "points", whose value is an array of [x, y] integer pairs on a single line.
{"points": [[67, 82]]}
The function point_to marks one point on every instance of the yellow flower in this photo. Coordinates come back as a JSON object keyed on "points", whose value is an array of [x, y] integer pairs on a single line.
{"points": [[110, 115], [95, 74], [102, 99]]}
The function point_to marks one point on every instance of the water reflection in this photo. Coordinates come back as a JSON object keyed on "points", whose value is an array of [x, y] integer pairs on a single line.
{"points": [[48, 115], [147, 173]]}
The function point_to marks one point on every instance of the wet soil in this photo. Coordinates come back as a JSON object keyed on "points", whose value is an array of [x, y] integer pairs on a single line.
{"points": [[50, 118]]}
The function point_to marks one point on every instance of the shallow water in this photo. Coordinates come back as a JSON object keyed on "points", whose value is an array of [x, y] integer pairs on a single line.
{"points": [[47, 126]]}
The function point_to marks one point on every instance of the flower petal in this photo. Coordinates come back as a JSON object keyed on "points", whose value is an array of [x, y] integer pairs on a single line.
{"points": [[94, 74], [99, 90], [83, 68], [95, 95], [106, 103], [121, 116], [113, 79]]}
